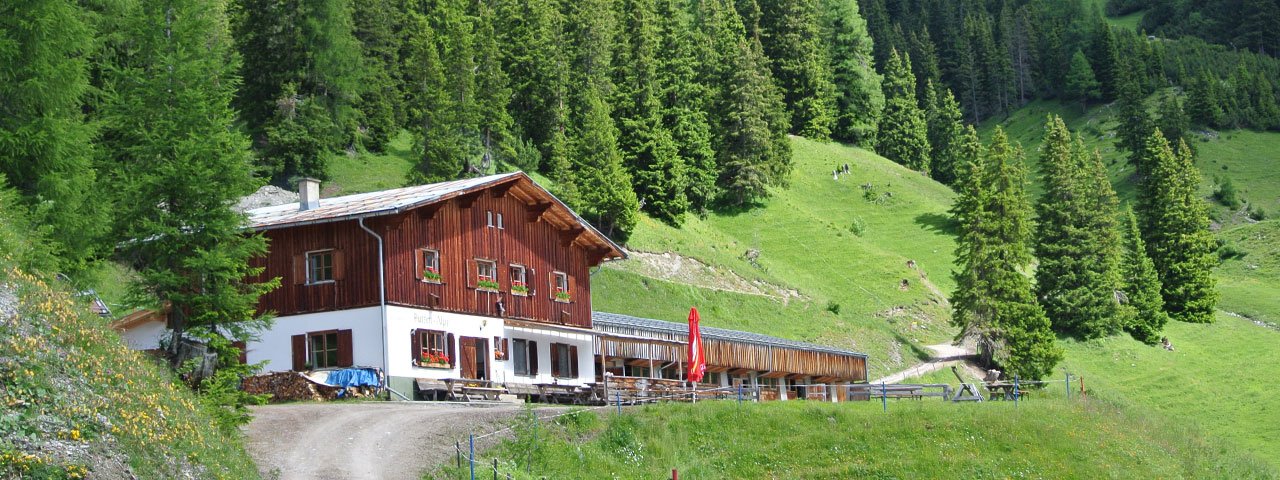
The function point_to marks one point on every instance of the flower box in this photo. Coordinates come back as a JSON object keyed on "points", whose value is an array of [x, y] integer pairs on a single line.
{"points": [[563, 296], [519, 288], [434, 360], [431, 275], [485, 284]]}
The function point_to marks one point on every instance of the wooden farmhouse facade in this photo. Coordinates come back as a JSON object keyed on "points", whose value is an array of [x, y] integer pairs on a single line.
{"points": [[484, 278]]}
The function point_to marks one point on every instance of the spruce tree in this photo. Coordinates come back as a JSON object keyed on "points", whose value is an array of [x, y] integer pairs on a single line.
{"points": [[1134, 124], [46, 145], [859, 99], [441, 151], [1141, 287], [993, 301], [792, 40], [946, 133], [377, 27], [685, 102], [1081, 84], [903, 135], [1176, 231], [603, 184], [494, 124], [184, 165], [1077, 278], [1173, 122], [1203, 105], [534, 58], [302, 76], [658, 171]]}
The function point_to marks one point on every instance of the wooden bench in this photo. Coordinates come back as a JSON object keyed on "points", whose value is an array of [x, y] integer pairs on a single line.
{"points": [[430, 387], [526, 391], [484, 393], [464, 388]]}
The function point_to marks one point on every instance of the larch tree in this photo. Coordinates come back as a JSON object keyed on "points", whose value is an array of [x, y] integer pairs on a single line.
{"points": [[904, 134], [993, 302], [1077, 278], [46, 144], [859, 99], [1175, 226], [183, 165], [1141, 287]]}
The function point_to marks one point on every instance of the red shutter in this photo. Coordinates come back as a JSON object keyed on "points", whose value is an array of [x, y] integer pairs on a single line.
{"points": [[555, 360], [339, 265], [533, 358], [529, 276], [415, 349], [506, 349], [417, 263], [472, 273], [573, 361], [453, 352], [573, 288], [299, 269], [344, 348], [299, 352]]}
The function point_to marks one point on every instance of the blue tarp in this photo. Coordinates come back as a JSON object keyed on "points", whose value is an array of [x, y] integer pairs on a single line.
{"points": [[353, 377]]}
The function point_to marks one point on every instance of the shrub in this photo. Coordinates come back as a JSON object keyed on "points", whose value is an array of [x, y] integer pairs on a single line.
{"points": [[1226, 194]]}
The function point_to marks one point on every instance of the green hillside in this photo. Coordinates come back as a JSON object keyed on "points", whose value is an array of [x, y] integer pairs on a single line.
{"points": [[1037, 439]]}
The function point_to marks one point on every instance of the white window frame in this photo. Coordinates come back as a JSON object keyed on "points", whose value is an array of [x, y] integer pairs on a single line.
{"points": [[523, 279], [311, 272], [562, 285], [428, 254]]}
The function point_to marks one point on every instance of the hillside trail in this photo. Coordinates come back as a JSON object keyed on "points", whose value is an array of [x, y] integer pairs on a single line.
{"points": [[945, 356], [358, 440]]}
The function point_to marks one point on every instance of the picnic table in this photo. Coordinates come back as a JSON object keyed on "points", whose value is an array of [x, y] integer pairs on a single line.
{"points": [[562, 393], [1001, 391], [467, 389]]}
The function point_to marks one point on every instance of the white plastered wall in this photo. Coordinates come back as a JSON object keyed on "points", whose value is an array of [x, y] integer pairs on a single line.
{"points": [[545, 337], [145, 336], [274, 345], [402, 321]]}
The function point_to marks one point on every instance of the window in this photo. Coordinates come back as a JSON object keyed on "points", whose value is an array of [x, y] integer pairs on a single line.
{"points": [[429, 265], [564, 360], [560, 287], [432, 347], [320, 266], [519, 284], [525, 355], [493, 219], [486, 275], [501, 349], [324, 349]]}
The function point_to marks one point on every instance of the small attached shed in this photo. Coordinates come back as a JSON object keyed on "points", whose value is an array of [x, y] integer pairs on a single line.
{"points": [[642, 348]]}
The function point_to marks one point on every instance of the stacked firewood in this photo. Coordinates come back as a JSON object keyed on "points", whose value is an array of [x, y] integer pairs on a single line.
{"points": [[289, 387]]}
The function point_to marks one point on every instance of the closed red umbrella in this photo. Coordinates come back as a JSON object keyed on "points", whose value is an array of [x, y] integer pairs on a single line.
{"points": [[697, 362]]}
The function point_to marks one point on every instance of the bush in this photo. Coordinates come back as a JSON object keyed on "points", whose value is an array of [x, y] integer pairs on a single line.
{"points": [[1226, 194], [1229, 251], [1257, 213], [833, 307], [858, 227]]}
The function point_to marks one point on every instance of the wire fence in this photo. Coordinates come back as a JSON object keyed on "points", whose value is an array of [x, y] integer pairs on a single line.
{"points": [[482, 466]]}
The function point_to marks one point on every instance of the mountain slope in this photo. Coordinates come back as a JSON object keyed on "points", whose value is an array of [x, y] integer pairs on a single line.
{"points": [[827, 245]]}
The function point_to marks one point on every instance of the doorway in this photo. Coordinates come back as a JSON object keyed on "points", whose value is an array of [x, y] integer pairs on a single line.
{"points": [[474, 359]]}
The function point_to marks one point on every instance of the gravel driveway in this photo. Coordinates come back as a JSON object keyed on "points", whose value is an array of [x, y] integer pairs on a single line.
{"points": [[365, 440]]}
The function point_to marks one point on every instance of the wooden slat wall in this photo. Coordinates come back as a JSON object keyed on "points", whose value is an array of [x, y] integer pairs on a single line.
{"points": [[460, 234], [732, 354], [357, 288]]}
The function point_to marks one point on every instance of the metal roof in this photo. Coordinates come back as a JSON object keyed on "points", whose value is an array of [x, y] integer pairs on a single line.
{"points": [[614, 320], [369, 204]]}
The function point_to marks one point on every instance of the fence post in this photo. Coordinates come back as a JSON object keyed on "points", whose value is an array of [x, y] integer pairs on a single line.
{"points": [[1016, 394], [495, 469], [884, 396], [739, 394], [457, 451], [618, 395], [675, 475], [472, 441], [1068, 384]]}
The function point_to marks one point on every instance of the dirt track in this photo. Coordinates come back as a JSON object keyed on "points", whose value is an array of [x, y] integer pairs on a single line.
{"points": [[364, 440]]}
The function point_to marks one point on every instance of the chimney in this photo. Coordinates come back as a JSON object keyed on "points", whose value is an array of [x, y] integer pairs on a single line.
{"points": [[308, 194]]}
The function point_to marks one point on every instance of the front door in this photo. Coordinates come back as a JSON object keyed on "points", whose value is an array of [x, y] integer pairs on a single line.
{"points": [[474, 358]]}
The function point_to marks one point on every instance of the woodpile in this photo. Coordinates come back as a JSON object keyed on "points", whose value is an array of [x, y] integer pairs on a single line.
{"points": [[289, 387]]}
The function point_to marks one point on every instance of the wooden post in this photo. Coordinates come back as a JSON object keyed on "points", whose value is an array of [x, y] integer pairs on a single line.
{"points": [[1068, 384], [457, 450], [473, 456], [495, 469], [1082, 392], [884, 396]]}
